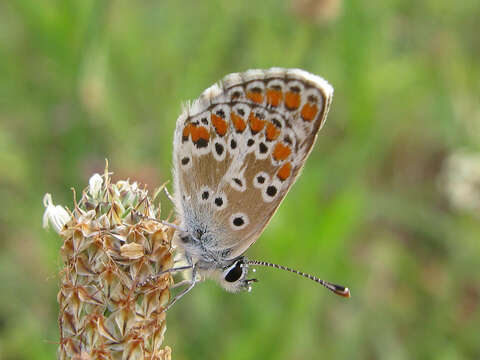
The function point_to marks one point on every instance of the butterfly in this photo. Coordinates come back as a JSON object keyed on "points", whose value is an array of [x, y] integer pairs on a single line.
{"points": [[237, 150]]}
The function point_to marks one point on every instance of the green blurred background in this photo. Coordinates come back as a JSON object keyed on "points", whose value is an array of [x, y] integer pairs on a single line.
{"points": [[388, 204]]}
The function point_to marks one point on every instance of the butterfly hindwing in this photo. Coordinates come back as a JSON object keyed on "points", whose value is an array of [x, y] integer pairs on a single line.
{"points": [[239, 148]]}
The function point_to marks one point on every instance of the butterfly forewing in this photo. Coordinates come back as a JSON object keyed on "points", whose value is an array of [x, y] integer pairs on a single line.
{"points": [[239, 148]]}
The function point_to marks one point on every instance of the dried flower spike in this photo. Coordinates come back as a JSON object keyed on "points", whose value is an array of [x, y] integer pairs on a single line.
{"points": [[111, 244]]}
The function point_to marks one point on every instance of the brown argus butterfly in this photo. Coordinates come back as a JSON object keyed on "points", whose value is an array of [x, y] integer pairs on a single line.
{"points": [[237, 151]]}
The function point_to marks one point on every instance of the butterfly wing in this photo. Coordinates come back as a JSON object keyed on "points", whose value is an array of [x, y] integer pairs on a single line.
{"points": [[239, 148]]}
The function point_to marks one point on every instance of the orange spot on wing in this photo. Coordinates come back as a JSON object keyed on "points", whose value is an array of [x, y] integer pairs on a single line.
{"points": [[200, 134], [256, 124], [219, 124], [292, 100], [272, 132], [274, 97], [281, 151], [238, 123], [186, 132], [285, 171], [255, 96], [309, 112]]}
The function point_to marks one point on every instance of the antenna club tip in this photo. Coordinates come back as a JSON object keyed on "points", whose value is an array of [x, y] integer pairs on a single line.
{"points": [[345, 292]]}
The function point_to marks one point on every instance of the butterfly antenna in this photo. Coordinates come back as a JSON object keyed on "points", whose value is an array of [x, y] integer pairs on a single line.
{"points": [[337, 289]]}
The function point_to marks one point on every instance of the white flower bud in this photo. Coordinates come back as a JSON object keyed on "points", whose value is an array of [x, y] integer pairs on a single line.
{"points": [[95, 185], [57, 216]]}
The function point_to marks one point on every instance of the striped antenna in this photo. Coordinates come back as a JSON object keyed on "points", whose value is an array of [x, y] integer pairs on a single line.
{"points": [[337, 289]]}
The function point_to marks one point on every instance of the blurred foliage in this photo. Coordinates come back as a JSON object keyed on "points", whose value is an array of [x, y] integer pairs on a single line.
{"points": [[84, 80]]}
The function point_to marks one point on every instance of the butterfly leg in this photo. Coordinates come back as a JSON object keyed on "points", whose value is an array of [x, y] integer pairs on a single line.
{"points": [[192, 282], [171, 270], [180, 284], [170, 197]]}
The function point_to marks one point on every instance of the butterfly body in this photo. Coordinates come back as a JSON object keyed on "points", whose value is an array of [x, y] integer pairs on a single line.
{"points": [[238, 149]]}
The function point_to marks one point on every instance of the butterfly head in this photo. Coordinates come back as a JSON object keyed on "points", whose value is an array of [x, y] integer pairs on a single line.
{"points": [[233, 277]]}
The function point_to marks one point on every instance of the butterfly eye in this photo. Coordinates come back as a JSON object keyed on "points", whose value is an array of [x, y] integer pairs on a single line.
{"points": [[234, 273]]}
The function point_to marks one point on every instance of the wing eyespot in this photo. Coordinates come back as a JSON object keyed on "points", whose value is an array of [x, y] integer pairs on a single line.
{"points": [[269, 192], [238, 183], [204, 194], [219, 149], [239, 221], [261, 179], [219, 201]]}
